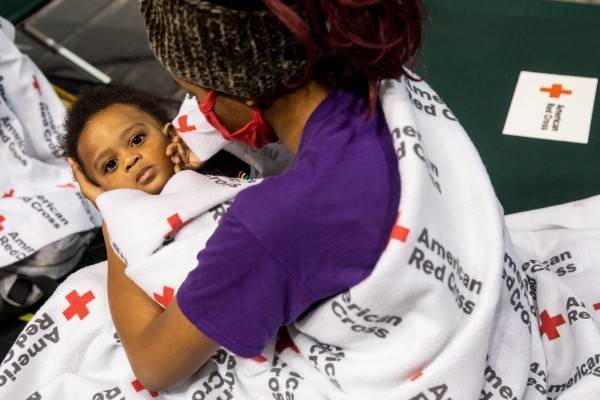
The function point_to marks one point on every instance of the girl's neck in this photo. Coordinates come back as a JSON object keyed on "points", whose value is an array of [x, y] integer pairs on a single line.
{"points": [[289, 114]]}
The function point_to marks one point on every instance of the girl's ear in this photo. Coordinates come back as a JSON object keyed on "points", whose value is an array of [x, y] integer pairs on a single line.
{"points": [[169, 130]]}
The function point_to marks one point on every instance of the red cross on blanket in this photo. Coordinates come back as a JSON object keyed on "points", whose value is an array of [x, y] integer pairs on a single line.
{"points": [[137, 385], [416, 375], [36, 85], [78, 304], [182, 121], [175, 223], [167, 296], [284, 341], [399, 232], [550, 324]]}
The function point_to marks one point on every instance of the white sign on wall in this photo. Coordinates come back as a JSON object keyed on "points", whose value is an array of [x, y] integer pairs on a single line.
{"points": [[552, 107]]}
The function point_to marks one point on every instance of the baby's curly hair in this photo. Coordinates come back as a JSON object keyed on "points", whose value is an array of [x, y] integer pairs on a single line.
{"points": [[92, 101]]}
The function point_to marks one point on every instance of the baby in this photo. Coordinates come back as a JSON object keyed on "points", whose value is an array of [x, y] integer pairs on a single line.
{"points": [[122, 138]]}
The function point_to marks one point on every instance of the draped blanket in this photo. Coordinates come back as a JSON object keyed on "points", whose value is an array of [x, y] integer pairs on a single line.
{"points": [[39, 203], [462, 304]]}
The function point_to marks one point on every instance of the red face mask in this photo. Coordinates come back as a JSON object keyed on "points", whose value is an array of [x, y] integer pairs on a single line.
{"points": [[255, 133]]}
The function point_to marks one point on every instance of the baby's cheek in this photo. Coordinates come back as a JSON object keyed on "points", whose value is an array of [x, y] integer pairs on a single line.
{"points": [[112, 181]]}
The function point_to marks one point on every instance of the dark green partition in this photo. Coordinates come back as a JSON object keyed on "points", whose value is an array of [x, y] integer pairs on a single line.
{"points": [[16, 10], [473, 53]]}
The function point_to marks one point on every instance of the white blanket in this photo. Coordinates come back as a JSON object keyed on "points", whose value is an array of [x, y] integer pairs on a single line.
{"points": [[39, 203], [458, 306]]}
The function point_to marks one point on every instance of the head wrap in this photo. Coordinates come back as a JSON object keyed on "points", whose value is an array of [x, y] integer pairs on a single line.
{"points": [[243, 51]]}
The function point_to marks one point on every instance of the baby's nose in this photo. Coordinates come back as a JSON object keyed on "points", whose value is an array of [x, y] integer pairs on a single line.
{"points": [[131, 162]]}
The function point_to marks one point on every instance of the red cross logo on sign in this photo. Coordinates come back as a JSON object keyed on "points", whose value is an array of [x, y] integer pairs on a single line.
{"points": [[2, 219], [137, 385], [399, 232], [183, 124], [175, 223], [597, 307], [8, 194], [166, 297], [36, 85], [550, 324], [78, 304], [556, 91]]}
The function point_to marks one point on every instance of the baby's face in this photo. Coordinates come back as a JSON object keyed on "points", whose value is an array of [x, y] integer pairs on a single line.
{"points": [[124, 147]]}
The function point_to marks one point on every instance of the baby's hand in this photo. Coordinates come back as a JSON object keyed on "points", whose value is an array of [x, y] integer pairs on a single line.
{"points": [[181, 155], [89, 189]]}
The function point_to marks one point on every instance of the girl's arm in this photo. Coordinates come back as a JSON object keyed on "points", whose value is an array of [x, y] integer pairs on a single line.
{"points": [[162, 346]]}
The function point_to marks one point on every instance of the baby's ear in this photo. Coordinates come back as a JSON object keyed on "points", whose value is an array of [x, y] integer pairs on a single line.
{"points": [[169, 130]]}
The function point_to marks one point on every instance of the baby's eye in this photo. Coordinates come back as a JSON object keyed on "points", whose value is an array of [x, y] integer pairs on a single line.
{"points": [[110, 165], [138, 139]]}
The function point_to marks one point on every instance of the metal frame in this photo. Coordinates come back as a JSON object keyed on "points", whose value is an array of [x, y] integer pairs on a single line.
{"points": [[61, 50]]}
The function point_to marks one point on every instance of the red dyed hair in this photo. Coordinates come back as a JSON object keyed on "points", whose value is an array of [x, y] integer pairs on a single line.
{"points": [[353, 43]]}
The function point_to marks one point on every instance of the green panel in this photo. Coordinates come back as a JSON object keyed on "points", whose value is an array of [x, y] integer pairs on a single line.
{"points": [[17, 10], [473, 53]]}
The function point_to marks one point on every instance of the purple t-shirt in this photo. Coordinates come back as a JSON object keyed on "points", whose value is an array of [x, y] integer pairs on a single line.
{"points": [[299, 238]]}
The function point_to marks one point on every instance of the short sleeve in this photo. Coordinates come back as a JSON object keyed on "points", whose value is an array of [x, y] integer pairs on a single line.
{"points": [[292, 241], [239, 294]]}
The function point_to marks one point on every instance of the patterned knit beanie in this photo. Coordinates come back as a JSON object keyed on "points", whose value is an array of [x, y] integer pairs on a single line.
{"points": [[239, 50]]}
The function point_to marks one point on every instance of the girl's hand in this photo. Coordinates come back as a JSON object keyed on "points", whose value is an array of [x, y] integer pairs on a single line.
{"points": [[89, 189], [181, 155]]}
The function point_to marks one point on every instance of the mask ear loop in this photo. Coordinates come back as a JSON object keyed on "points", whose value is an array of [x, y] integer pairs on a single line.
{"points": [[209, 102], [206, 107]]}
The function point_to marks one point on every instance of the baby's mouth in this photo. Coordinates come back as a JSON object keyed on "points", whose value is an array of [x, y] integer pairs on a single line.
{"points": [[145, 175]]}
